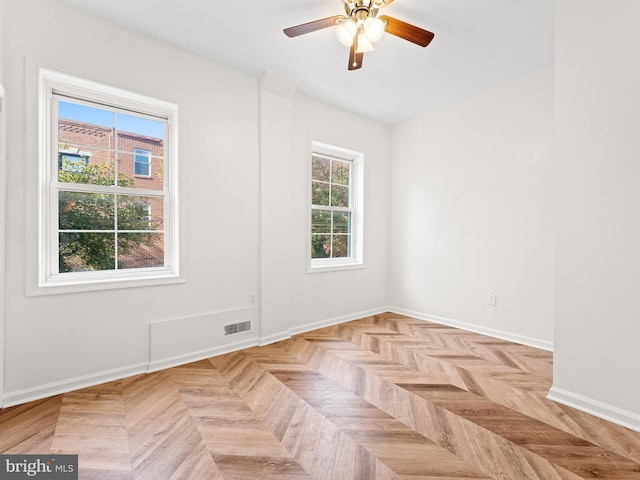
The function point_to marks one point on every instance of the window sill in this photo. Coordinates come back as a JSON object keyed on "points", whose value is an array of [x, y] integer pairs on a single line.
{"points": [[334, 267], [102, 282]]}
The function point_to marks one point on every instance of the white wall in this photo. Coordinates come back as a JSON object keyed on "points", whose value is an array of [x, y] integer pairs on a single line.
{"points": [[276, 218], [60, 341], [472, 212], [348, 294], [2, 22], [3, 223], [293, 300], [3, 184], [598, 208]]}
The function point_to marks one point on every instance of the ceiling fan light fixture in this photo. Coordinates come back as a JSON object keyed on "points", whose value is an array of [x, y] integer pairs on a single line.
{"points": [[363, 45], [346, 32], [360, 27], [374, 29]]}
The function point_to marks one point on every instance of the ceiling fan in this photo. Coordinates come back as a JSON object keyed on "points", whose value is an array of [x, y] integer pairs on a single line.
{"points": [[362, 27]]}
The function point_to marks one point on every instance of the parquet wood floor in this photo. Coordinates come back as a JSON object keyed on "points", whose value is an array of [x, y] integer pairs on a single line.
{"points": [[385, 397]]}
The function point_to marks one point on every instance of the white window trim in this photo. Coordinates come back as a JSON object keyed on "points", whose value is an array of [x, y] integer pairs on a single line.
{"points": [[356, 260], [48, 82], [3, 230]]}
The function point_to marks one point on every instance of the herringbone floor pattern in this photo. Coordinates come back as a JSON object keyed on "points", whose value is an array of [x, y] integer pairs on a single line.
{"points": [[386, 397]]}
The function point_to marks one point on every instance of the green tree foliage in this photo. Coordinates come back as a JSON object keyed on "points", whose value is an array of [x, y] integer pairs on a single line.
{"points": [[82, 248]]}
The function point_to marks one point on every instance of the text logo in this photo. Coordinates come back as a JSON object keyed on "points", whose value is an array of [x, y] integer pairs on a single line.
{"points": [[50, 467]]}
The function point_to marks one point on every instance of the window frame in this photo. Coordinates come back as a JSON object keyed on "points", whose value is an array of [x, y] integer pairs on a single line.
{"points": [[49, 281], [356, 247]]}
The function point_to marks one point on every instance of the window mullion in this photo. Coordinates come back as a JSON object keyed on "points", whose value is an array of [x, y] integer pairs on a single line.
{"points": [[333, 235], [331, 228], [116, 167], [90, 188], [116, 149], [115, 230], [85, 231], [350, 185], [52, 242]]}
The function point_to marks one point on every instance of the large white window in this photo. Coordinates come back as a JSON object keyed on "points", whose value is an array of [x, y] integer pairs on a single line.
{"points": [[105, 220], [336, 208]]}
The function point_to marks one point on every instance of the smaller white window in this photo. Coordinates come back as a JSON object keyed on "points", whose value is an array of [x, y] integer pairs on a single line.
{"points": [[142, 162], [335, 226]]}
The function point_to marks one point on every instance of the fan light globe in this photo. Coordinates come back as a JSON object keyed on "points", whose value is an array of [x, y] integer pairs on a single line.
{"points": [[374, 29], [363, 45], [346, 31]]}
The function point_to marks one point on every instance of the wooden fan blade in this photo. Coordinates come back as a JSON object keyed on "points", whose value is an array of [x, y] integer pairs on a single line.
{"points": [[355, 59], [313, 26], [385, 3], [407, 31]]}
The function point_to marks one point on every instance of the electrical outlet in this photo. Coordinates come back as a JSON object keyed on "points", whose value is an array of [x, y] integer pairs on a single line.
{"points": [[253, 299], [492, 298]]}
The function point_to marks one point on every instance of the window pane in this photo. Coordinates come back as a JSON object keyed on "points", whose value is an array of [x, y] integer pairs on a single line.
{"points": [[341, 222], [140, 213], [140, 250], [141, 168], [341, 246], [319, 193], [321, 221], [85, 141], [78, 122], [81, 252], [339, 196], [85, 211], [85, 164], [340, 172], [134, 130], [320, 246], [320, 168]]}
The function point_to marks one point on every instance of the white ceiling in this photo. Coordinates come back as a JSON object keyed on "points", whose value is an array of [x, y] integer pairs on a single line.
{"points": [[478, 44]]}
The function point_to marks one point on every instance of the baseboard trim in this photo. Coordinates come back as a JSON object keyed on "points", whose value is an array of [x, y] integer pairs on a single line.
{"points": [[178, 360], [491, 332], [307, 327], [56, 388], [276, 337], [596, 408]]}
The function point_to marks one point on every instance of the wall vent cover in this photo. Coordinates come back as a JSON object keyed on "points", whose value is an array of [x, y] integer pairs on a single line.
{"points": [[240, 327]]}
